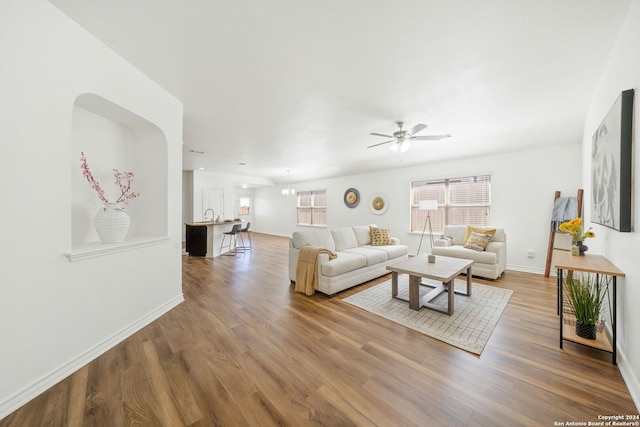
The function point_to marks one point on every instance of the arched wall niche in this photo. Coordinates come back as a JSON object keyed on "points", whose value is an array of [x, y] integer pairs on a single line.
{"points": [[113, 137]]}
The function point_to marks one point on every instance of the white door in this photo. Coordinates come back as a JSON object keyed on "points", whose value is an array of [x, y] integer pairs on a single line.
{"points": [[213, 199]]}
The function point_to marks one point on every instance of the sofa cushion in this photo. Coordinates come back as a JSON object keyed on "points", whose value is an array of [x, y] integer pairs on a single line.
{"points": [[392, 251], [457, 251], [478, 241], [344, 238], [363, 235], [319, 238], [482, 230], [372, 256], [380, 236], [343, 263], [500, 235], [455, 233]]}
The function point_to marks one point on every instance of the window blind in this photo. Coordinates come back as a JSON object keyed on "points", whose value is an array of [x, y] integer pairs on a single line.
{"points": [[461, 201], [311, 209]]}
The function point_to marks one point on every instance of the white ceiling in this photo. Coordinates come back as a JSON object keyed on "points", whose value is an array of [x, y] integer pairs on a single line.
{"points": [[299, 84]]}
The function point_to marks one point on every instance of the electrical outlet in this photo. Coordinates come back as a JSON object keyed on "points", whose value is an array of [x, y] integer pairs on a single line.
{"points": [[531, 254]]}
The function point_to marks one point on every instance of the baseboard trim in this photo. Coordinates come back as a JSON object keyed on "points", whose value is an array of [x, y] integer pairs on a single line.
{"points": [[39, 386], [629, 377], [523, 269]]}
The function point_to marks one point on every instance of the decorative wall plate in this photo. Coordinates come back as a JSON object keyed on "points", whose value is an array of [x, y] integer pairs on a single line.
{"points": [[351, 197], [378, 203]]}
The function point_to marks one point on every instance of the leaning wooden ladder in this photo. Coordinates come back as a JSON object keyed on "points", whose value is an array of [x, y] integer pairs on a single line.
{"points": [[552, 233]]}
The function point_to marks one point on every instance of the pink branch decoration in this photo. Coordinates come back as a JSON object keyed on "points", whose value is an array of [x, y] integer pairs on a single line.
{"points": [[123, 181]]}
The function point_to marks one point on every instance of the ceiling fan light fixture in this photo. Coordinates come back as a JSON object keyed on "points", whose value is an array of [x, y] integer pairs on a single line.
{"points": [[400, 138], [400, 147]]}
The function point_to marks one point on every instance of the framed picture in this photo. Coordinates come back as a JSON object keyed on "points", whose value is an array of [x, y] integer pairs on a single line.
{"points": [[378, 203], [351, 197], [611, 162]]}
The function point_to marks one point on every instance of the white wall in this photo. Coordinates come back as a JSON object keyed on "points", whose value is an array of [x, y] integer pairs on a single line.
{"points": [[187, 200], [523, 187], [622, 72], [197, 181], [57, 315]]}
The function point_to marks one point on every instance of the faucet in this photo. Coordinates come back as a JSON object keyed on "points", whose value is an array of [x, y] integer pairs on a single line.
{"points": [[212, 214]]}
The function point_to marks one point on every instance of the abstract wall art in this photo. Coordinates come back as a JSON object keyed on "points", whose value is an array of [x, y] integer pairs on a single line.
{"points": [[611, 166]]}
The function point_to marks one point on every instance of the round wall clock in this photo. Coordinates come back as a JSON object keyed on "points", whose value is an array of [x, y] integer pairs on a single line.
{"points": [[351, 197], [378, 203]]}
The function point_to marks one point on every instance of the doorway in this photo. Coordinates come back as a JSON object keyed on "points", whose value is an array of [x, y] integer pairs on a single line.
{"points": [[213, 199]]}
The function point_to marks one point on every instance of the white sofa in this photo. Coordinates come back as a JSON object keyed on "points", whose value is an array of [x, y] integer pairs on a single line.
{"points": [[357, 262], [489, 263]]}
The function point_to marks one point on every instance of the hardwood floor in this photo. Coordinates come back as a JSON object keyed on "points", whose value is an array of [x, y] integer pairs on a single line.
{"points": [[245, 350]]}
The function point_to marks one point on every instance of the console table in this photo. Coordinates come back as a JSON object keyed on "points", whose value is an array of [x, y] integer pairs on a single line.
{"points": [[598, 265]]}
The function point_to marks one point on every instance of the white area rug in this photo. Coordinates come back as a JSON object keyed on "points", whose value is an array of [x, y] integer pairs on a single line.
{"points": [[468, 328]]}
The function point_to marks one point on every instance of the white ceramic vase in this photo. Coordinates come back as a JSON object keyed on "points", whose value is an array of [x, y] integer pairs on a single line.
{"points": [[112, 223]]}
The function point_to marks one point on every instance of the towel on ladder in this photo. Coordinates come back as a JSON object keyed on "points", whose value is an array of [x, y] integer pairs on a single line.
{"points": [[307, 268], [564, 209]]}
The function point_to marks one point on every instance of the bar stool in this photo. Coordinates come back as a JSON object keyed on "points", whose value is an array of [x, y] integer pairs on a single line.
{"points": [[233, 240], [246, 231]]}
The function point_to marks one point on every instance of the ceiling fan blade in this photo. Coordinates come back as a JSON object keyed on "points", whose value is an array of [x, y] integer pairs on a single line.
{"points": [[417, 128], [381, 134], [381, 143], [430, 137]]}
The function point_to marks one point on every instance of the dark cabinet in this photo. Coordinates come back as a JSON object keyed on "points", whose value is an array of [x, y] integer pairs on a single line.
{"points": [[196, 243]]}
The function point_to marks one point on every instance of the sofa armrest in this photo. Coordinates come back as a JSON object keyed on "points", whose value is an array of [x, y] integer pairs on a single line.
{"points": [[500, 249], [294, 253], [495, 247], [442, 242], [395, 241], [293, 262]]}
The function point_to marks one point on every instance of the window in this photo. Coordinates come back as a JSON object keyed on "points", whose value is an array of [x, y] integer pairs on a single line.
{"points": [[244, 205], [461, 201], [312, 207]]}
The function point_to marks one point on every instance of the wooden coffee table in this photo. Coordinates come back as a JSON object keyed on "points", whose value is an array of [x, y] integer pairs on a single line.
{"points": [[444, 270]]}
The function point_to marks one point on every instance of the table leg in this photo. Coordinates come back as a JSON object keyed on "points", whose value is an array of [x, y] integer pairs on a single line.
{"points": [[414, 292], [614, 322], [451, 293], [469, 281], [394, 284], [560, 311]]}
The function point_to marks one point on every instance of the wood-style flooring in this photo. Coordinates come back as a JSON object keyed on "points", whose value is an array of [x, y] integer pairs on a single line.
{"points": [[245, 350]]}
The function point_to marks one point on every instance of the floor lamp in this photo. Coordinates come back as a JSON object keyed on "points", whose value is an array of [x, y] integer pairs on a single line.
{"points": [[427, 205]]}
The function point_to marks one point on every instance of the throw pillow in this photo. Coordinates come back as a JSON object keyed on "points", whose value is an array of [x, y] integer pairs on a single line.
{"points": [[380, 236], [471, 229], [478, 241]]}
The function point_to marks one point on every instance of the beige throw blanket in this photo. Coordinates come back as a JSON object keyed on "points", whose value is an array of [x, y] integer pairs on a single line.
{"points": [[307, 268]]}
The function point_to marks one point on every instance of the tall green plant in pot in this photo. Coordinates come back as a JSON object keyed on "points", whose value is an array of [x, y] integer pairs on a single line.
{"points": [[585, 294]]}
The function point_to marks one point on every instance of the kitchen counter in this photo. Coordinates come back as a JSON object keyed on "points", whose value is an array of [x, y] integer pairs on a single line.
{"points": [[207, 234]]}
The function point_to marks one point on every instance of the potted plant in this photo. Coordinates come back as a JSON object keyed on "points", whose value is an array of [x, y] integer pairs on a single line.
{"points": [[585, 294]]}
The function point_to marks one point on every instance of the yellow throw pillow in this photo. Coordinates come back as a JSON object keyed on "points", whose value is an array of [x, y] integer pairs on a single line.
{"points": [[471, 229], [380, 236], [478, 241]]}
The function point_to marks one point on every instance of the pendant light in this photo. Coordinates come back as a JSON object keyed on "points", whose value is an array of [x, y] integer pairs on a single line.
{"points": [[288, 191]]}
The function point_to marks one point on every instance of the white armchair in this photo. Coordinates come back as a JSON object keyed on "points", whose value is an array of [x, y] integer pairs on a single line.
{"points": [[490, 262]]}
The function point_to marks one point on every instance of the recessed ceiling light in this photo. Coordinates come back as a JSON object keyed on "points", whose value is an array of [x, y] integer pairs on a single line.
{"points": [[200, 169], [242, 164]]}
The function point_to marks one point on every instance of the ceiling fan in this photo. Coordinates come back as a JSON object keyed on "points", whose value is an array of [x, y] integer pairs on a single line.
{"points": [[402, 137]]}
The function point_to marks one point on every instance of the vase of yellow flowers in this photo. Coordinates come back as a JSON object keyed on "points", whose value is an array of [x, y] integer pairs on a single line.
{"points": [[574, 227]]}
